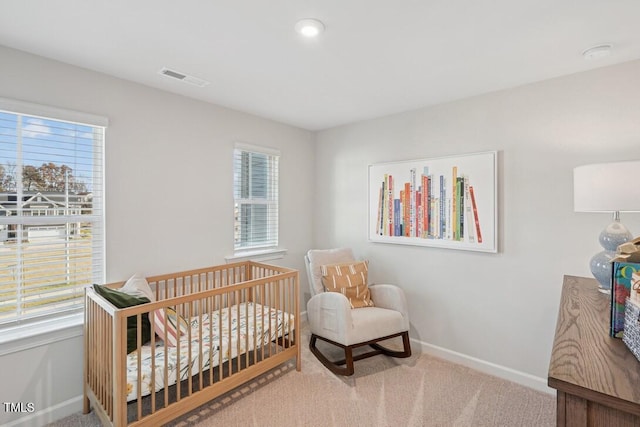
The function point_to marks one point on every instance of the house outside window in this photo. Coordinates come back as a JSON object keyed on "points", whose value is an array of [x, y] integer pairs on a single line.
{"points": [[255, 198], [51, 211]]}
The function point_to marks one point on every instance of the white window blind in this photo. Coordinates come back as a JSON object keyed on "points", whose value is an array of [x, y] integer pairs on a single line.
{"points": [[51, 211], [255, 182]]}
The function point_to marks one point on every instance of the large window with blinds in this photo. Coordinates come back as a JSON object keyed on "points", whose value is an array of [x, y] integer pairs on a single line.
{"points": [[51, 210], [255, 182]]}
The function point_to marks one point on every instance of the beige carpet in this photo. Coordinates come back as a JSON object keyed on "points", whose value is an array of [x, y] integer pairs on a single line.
{"points": [[419, 391]]}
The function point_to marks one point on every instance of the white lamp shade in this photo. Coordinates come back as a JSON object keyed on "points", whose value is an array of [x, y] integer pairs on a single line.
{"points": [[607, 187]]}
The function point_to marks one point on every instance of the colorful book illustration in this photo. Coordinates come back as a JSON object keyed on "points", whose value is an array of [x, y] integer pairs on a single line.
{"points": [[475, 213], [390, 205], [470, 221], [454, 203], [442, 207]]}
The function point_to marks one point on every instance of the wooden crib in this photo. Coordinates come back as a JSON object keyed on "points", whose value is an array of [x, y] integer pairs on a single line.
{"points": [[242, 319]]}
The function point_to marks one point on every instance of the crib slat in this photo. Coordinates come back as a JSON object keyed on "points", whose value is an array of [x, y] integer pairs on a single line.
{"points": [[166, 367], [255, 325], [263, 290], [139, 362], [178, 369], [119, 370], [271, 304], [230, 340], [200, 349], [190, 352], [238, 332], [211, 343], [277, 304], [107, 380], [153, 363], [246, 334]]}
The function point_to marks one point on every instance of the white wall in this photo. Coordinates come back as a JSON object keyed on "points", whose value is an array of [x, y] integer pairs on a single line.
{"points": [[168, 193], [496, 309]]}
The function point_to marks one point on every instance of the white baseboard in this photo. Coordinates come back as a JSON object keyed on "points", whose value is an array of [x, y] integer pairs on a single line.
{"points": [[522, 378], [48, 415]]}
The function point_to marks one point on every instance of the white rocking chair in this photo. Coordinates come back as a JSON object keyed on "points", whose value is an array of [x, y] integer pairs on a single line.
{"points": [[331, 318]]}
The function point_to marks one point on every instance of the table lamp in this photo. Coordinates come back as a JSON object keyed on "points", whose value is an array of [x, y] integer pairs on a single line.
{"points": [[613, 188]]}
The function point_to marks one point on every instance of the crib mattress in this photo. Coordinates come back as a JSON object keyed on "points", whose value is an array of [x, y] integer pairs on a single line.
{"points": [[262, 322]]}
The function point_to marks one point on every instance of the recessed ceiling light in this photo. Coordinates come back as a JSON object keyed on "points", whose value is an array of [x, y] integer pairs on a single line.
{"points": [[597, 52], [309, 27]]}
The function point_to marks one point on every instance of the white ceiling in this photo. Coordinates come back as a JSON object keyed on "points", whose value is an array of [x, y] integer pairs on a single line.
{"points": [[376, 57]]}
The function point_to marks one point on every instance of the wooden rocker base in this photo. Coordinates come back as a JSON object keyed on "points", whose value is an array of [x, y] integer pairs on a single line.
{"points": [[337, 368]]}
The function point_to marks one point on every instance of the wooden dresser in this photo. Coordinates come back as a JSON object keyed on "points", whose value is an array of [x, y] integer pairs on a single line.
{"points": [[596, 376]]}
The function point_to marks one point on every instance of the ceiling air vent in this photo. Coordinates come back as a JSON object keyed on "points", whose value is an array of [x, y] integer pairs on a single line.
{"points": [[183, 77]]}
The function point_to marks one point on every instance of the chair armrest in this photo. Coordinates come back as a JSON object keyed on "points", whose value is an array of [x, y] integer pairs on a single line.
{"points": [[391, 297], [329, 315]]}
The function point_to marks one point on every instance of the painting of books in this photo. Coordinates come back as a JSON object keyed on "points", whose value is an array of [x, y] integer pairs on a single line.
{"points": [[448, 202]]}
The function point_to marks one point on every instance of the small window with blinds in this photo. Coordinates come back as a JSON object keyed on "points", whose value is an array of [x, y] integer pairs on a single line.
{"points": [[51, 210], [255, 183]]}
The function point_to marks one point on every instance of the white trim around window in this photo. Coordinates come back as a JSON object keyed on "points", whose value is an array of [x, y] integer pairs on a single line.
{"points": [[256, 199], [50, 218]]}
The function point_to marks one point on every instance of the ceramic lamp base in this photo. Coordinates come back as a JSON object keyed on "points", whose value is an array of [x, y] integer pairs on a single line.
{"points": [[600, 265], [610, 238]]}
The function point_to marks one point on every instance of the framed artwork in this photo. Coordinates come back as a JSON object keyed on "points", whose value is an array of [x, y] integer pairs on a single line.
{"points": [[447, 202]]}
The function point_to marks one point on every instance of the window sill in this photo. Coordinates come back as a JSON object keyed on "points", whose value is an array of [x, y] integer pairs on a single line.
{"points": [[24, 337], [263, 255]]}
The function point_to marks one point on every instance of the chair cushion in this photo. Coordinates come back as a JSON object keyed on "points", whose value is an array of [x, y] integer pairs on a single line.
{"points": [[320, 257], [350, 279], [372, 323]]}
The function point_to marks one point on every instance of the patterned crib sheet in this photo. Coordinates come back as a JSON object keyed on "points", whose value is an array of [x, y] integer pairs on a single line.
{"points": [[267, 324]]}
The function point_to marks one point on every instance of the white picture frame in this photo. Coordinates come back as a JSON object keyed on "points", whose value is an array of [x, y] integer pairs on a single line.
{"points": [[464, 216]]}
